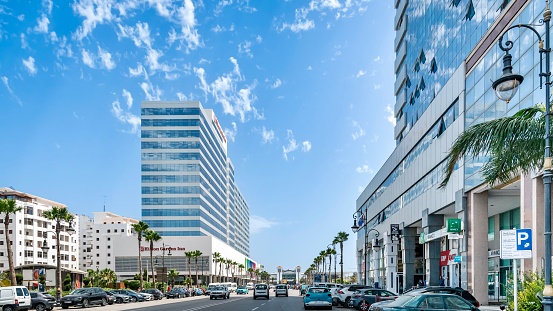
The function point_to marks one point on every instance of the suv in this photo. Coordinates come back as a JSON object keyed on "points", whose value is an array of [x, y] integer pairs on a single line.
{"points": [[281, 289], [343, 295], [85, 297], [261, 290], [154, 291], [15, 298], [41, 302], [447, 290], [219, 291]]}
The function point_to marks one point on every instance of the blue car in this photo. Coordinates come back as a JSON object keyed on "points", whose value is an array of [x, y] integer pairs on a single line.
{"points": [[317, 297], [242, 290]]}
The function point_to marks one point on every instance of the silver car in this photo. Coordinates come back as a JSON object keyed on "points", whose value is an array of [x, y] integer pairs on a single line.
{"points": [[281, 290]]}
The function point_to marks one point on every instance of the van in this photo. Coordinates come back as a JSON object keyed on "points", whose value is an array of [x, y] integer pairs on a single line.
{"points": [[261, 290], [233, 287], [15, 298], [249, 286]]}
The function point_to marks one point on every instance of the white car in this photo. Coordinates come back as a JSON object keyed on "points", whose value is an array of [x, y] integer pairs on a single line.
{"points": [[343, 295], [261, 290], [147, 296]]}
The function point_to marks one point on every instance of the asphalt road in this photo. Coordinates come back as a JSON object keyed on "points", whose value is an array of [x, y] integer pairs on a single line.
{"points": [[294, 302]]}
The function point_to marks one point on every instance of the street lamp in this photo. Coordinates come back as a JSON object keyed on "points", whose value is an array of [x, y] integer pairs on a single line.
{"points": [[505, 88], [45, 248], [355, 228]]}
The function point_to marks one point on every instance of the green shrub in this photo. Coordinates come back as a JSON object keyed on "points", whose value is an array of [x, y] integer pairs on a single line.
{"points": [[528, 290]]}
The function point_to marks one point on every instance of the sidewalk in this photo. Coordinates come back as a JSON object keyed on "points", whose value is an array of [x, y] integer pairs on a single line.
{"points": [[489, 308]]}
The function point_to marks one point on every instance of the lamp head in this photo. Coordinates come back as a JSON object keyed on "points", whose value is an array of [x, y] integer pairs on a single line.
{"points": [[355, 227], [45, 248], [506, 86], [71, 230]]}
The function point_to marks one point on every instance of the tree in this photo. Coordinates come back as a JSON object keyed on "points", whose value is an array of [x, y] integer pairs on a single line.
{"points": [[107, 277], [58, 215], [152, 236], [251, 271], [322, 254], [196, 254], [140, 228], [93, 277], [241, 269], [340, 239], [329, 253], [172, 275], [513, 144], [189, 256], [8, 207], [216, 256]]}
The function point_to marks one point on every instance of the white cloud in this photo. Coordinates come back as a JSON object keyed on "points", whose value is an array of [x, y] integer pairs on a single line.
{"points": [[138, 71], [267, 136], [291, 146], [324, 7], [42, 24], [105, 56], [374, 139], [259, 39], [94, 12], [309, 68], [377, 59], [231, 133], [277, 84], [258, 223], [300, 25], [219, 28], [12, 93], [391, 117], [151, 92], [29, 63], [181, 96], [306, 146], [21, 17], [126, 117], [377, 86], [24, 43], [360, 73], [359, 131], [88, 58], [187, 21], [245, 48], [364, 169]]}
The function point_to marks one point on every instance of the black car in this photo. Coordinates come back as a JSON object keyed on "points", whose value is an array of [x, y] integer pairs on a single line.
{"points": [[85, 297], [134, 295], [177, 293], [41, 302], [118, 298], [154, 291], [448, 290]]}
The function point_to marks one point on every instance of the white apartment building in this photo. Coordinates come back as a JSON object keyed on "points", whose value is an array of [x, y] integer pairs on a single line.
{"points": [[96, 235], [28, 229]]}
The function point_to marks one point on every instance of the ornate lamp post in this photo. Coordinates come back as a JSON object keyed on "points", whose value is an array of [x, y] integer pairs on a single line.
{"points": [[505, 88], [355, 228], [45, 248]]}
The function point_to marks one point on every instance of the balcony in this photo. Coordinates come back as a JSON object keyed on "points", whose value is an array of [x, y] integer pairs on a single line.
{"points": [[401, 100], [399, 12], [400, 126], [400, 79], [400, 57], [400, 33]]}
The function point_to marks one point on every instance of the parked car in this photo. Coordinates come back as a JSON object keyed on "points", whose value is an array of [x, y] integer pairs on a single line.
{"points": [[448, 290], [119, 298], [317, 297], [261, 290], [364, 298], [40, 302], [418, 301], [111, 299], [134, 296], [219, 291], [85, 297], [242, 290], [177, 293], [14, 298], [281, 290], [155, 292], [147, 296], [343, 295]]}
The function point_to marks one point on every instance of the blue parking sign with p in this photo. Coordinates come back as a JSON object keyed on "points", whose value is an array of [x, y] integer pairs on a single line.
{"points": [[524, 239]]}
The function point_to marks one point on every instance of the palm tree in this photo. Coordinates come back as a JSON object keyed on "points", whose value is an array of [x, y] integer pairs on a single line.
{"points": [[59, 215], [257, 273], [8, 207], [92, 276], [241, 269], [251, 271], [322, 254], [196, 254], [340, 239], [152, 236], [107, 277], [216, 257], [513, 144], [227, 263], [140, 228], [189, 256], [329, 253], [172, 275]]}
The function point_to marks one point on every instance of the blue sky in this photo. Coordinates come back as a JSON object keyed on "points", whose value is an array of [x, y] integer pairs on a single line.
{"points": [[303, 90]]}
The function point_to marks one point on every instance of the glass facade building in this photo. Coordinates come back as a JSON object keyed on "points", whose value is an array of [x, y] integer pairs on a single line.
{"points": [[446, 59], [188, 186]]}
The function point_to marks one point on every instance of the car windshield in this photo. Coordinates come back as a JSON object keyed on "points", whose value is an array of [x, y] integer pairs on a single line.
{"points": [[242, 287], [318, 290], [219, 288], [78, 292]]}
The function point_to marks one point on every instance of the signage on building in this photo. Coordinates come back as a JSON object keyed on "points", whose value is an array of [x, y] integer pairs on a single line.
{"points": [[454, 225], [448, 257], [494, 253], [216, 122], [457, 259], [159, 249], [394, 231], [421, 238], [516, 244]]}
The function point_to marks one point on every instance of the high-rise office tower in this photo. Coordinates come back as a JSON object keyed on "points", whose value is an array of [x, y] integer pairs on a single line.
{"points": [[188, 186]]}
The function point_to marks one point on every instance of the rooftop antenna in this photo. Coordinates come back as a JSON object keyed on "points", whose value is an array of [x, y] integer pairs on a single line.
{"points": [[104, 203]]}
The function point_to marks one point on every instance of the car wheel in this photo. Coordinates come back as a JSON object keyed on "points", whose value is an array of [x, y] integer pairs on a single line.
{"points": [[134, 299], [38, 307], [267, 296], [8, 308], [305, 307], [286, 295], [104, 302], [346, 303], [210, 298], [119, 300], [254, 297], [85, 303]]}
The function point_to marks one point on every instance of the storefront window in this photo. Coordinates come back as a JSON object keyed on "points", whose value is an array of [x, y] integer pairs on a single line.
{"points": [[491, 228], [510, 219]]}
